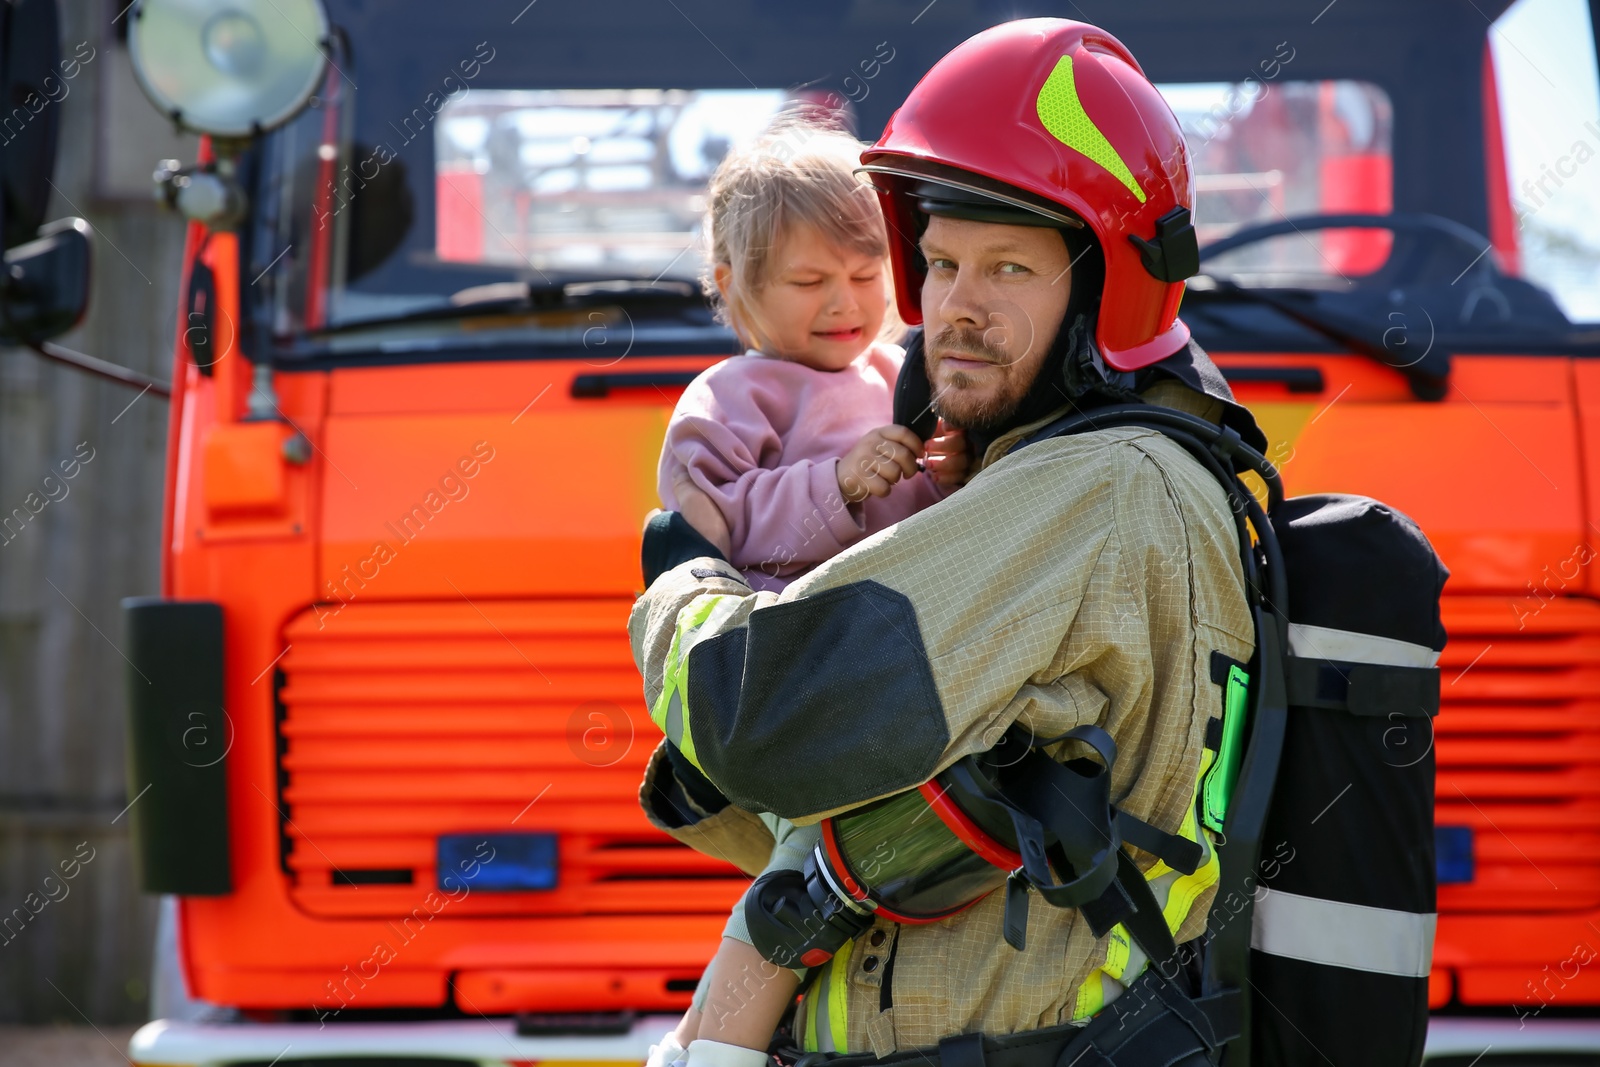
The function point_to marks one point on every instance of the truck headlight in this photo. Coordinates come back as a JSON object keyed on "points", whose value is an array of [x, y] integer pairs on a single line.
{"points": [[229, 68]]}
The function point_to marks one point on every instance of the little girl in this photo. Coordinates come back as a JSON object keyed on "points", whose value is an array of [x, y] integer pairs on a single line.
{"points": [[787, 455]]}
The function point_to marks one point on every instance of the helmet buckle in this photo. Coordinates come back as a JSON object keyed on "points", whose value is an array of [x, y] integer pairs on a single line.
{"points": [[1175, 253]]}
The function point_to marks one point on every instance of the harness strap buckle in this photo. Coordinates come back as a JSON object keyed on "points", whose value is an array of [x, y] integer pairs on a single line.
{"points": [[963, 1050]]}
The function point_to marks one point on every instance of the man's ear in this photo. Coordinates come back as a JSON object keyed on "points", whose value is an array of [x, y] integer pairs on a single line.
{"points": [[913, 395]]}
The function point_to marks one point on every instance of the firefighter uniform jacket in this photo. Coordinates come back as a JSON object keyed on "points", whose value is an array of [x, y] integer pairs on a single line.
{"points": [[1083, 579]]}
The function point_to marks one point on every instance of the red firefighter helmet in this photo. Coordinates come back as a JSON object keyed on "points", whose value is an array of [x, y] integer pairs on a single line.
{"points": [[1056, 117]]}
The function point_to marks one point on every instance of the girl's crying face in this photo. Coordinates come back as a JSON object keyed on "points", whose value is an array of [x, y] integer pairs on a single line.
{"points": [[819, 305]]}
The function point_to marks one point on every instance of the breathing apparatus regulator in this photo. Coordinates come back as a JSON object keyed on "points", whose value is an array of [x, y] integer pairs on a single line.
{"points": [[1012, 817]]}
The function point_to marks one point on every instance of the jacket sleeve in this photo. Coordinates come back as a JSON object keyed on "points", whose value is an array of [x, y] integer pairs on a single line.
{"points": [[910, 650]]}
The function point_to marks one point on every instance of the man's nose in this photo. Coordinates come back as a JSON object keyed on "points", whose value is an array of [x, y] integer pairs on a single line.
{"points": [[962, 301]]}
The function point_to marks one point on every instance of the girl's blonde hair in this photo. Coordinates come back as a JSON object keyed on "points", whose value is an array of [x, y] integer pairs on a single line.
{"points": [[797, 173]]}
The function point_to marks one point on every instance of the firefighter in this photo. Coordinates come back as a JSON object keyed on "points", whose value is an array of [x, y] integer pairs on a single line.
{"points": [[1038, 194]]}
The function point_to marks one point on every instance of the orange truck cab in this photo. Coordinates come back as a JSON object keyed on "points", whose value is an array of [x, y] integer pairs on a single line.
{"points": [[384, 707]]}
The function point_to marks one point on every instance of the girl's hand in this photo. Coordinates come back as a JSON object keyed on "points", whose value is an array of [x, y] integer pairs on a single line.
{"points": [[946, 457], [882, 457], [702, 513]]}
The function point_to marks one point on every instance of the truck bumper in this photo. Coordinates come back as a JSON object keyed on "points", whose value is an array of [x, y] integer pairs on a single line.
{"points": [[1456, 1037], [496, 1043], [483, 1042]]}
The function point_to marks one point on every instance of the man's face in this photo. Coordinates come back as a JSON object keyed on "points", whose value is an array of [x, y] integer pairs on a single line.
{"points": [[993, 300]]}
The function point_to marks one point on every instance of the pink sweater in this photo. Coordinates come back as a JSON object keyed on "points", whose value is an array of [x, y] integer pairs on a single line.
{"points": [[763, 438]]}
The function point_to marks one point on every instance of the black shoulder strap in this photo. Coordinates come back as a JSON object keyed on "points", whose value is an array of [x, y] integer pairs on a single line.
{"points": [[1223, 452], [1374, 689]]}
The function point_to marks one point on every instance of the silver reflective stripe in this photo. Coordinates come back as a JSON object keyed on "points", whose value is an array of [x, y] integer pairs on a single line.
{"points": [[674, 725], [1343, 935], [1321, 642], [825, 868]]}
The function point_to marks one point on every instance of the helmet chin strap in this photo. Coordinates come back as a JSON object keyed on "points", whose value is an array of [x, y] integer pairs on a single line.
{"points": [[1084, 377]]}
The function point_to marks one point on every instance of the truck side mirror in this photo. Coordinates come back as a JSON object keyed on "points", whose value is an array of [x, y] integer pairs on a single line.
{"points": [[45, 289]]}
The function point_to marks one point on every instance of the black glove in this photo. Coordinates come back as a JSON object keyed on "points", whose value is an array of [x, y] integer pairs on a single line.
{"points": [[669, 540], [680, 789], [695, 785]]}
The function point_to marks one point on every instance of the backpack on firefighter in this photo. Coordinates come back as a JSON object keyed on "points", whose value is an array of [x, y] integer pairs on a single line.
{"points": [[1322, 781]]}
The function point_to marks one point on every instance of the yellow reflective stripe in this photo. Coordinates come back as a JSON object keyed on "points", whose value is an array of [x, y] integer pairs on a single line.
{"points": [[1062, 113], [1092, 994], [677, 727], [670, 712], [1174, 891], [669, 689], [826, 1004], [1184, 890], [808, 1004], [839, 999]]}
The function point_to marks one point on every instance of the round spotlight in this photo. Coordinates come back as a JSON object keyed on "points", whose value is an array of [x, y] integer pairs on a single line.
{"points": [[229, 68]]}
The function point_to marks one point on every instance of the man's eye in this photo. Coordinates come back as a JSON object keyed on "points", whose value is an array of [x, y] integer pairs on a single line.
{"points": [[939, 263], [1013, 268]]}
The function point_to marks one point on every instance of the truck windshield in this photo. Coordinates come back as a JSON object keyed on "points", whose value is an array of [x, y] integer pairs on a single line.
{"points": [[1272, 148], [464, 169], [479, 187], [584, 180], [1273, 152]]}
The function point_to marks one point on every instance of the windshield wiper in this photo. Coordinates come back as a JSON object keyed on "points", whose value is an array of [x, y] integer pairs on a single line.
{"points": [[1428, 376], [501, 298]]}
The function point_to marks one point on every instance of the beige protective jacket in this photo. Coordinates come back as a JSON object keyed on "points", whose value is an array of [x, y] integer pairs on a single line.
{"points": [[1085, 579]]}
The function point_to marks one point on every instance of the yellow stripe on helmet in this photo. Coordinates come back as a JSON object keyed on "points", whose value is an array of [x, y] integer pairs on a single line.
{"points": [[1063, 115]]}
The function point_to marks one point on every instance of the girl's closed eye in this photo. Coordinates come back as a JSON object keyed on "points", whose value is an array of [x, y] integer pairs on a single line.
{"points": [[798, 254]]}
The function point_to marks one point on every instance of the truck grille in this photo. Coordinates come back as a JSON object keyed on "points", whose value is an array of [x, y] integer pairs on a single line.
{"points": [[1518, 745], [402, 722]]}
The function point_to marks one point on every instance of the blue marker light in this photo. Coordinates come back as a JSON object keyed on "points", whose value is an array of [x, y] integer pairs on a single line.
{"points": [[1454, 852], [498, 862]]}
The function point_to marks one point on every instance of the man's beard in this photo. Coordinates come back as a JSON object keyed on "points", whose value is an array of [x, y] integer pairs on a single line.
{"points": [[953, 400]]}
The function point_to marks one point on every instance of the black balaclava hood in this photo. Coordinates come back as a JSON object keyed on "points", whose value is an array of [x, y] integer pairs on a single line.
{"points": [[1073, 370]]}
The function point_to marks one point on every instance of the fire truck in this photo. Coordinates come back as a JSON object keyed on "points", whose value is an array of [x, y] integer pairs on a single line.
{"points": [[440, 293]]}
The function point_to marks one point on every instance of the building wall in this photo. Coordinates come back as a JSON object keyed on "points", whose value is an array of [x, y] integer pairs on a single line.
{"points": [[79, 948]]}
